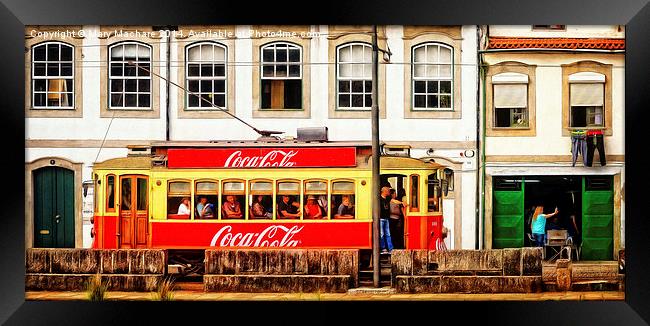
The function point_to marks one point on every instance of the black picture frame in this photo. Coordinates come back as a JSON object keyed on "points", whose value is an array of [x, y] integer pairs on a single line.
{"points": [[15, 14]]}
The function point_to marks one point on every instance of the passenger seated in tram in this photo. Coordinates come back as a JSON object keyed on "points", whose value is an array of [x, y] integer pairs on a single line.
{"points": [[258, 210], [184, 207], [312, 209], [288, 208], [232, 208], [204, 209], [346, 210]]}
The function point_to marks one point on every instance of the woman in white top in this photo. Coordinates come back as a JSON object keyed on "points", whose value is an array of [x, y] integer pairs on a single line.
{"points": [[184, 207]]}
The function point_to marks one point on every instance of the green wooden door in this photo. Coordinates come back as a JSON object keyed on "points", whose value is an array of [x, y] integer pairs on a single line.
{"points": [[53, 208], [597, 218], [508, 213]]}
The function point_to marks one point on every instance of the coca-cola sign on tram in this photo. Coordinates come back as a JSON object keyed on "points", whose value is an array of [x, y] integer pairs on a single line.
{"points": [[261, 157], [262, 235]]}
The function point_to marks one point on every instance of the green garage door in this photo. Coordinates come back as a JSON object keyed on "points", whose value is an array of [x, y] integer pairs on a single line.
{"points": [[597, 218], [53, 208], [508, 213]]}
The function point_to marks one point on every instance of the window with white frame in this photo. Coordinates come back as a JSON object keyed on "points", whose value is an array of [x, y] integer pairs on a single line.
{"points": [[129, 86], [510, 99], [281, 76], [205, 75], [587, 98], [432, 76], [354, 76], [53, 76]]}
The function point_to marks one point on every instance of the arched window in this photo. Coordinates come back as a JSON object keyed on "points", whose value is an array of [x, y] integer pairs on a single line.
{"points": [[432, 76], [354, 76], [205, 74], [53, 76], [129, 87], [281, 72]]}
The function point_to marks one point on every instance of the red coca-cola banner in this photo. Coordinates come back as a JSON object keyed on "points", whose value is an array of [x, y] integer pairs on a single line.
{"points": [[261, 157], [261, 235]]}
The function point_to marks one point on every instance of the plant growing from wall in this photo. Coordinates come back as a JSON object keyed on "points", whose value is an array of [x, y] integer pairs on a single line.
{"points": [[96, 288], [165, 290]]}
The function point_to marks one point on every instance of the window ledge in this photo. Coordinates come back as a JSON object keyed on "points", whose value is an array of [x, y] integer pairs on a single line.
{"points": [[511, 128], [52, 109]]}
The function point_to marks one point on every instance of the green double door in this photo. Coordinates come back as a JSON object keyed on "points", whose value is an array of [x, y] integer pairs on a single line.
{"points": [[53, 208], [508, 214], [597, 219]]}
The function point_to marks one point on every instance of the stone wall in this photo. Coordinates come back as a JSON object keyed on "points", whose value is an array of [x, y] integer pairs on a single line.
{"points": [[286, 270], [70, 269], [566, 275], [515, 270]]}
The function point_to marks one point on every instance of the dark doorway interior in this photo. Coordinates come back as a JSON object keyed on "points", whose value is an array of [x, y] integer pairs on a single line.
{"points": [[563, 192]]}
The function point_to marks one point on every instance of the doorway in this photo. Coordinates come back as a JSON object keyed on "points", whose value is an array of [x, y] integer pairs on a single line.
{"points": [[54, 208], [589, 199]]}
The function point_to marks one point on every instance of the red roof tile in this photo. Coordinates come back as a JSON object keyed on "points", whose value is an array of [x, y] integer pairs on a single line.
{"points": [[556, 43]]}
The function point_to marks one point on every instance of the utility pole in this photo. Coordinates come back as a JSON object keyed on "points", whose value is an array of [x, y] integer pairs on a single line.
{"points": [[375, 161]]}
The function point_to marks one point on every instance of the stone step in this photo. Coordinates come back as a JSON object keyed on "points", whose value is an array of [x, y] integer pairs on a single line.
{"points": [[372, 290], [277, 283], [77, 282], [382, 272], [370, 283], [189, 286], [468, 284]]}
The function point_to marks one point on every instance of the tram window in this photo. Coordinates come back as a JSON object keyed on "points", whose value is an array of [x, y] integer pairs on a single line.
{"points": [[205, 199], [415, 194], [126, 194], [233, 199], [288, 200], [343, 200], [315, 199], [96, 195], [261, 199], [434, 193], [110, 193], [177, 193], [142, 194]]}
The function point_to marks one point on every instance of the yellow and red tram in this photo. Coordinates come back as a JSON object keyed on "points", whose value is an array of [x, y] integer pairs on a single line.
{"points": [[139, 197]]}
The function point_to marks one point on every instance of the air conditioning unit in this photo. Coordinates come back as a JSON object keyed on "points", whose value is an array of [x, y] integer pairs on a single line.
{"points": [[137, 150], [397, 150], [312, 134]]}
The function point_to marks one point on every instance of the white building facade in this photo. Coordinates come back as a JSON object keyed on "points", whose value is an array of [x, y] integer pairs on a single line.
{"points": [[84, 103], [545, 89]]}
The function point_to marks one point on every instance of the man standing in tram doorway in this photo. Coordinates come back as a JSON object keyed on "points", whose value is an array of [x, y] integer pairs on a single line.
{"points": [[385, 241]]}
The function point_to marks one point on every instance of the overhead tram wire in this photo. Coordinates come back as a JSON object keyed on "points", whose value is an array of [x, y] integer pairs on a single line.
{"points": [[263, 133]]}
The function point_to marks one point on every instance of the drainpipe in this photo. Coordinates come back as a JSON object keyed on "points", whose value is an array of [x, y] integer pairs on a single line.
{"points": [[478, 138], [483, 74], [168, 63]]}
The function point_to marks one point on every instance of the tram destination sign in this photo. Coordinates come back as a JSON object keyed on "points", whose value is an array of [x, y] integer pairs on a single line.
{"points": [[261, 157]]}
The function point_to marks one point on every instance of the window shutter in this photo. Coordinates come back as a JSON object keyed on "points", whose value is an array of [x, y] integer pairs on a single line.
{"points": [[510, 96], [587, 94]]}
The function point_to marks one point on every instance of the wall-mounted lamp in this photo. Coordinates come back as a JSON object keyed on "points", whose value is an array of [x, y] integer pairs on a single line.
{"points": [[468, 153]]}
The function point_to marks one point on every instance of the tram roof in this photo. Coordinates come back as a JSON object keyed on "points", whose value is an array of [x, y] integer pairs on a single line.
{"points": [[142, 162], [398, 162], [254, 143]]}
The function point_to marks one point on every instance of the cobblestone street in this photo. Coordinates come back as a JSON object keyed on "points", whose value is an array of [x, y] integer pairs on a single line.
{"points": [[205, 296]]}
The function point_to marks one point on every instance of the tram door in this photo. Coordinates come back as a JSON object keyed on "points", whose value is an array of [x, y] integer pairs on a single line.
{"points": [[134, 212], [397, 182]]}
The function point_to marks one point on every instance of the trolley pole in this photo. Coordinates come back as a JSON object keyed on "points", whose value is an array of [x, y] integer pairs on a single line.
{"points": [[376, 185]]}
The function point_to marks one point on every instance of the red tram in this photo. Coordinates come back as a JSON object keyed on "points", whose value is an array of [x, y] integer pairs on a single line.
{"points": [[188, 195]]}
